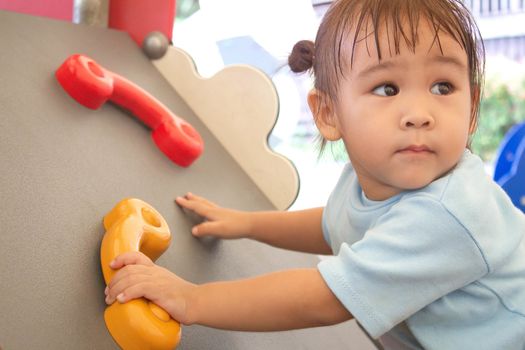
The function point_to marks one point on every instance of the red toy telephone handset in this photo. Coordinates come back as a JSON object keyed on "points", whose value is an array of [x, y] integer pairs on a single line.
{"points": [[91, 86]]}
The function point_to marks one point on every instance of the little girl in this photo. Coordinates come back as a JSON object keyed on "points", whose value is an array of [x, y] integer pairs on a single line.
{"points": [[427, 251]]}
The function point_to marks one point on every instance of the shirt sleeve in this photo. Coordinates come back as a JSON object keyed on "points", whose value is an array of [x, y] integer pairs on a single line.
{"points": [[414, 254]]}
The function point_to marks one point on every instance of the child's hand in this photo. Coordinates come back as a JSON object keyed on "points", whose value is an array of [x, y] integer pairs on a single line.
{"points": [[140, 277], [220, 222]]}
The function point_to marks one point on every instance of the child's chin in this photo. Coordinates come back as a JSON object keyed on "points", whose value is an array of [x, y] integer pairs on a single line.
{"points": [[416, 184]]}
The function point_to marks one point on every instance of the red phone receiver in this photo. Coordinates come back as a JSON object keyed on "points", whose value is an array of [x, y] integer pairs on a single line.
{"points": [[92, 85]]}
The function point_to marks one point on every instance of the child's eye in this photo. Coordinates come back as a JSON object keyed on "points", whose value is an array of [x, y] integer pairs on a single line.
{"points": [[441, 88], [386, 90]]}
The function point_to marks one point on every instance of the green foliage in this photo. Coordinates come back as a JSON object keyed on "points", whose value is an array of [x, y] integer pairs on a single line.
{"points": [[500, 109]]}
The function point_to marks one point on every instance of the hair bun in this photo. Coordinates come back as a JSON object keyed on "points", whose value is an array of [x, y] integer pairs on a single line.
{"points": [[302, 57]]}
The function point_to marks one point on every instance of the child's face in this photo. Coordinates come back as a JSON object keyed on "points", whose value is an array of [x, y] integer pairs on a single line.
{"points": [[405, 120]]}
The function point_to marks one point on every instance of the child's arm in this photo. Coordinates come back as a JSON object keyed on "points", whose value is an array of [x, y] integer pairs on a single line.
{"points": [[282, 300], [294, 230]]}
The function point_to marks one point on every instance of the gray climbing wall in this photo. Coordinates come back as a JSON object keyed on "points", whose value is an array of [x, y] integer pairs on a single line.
{"points": [[63, 167]]}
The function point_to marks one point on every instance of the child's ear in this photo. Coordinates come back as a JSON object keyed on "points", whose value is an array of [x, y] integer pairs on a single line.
{"points": [[324, 115]]}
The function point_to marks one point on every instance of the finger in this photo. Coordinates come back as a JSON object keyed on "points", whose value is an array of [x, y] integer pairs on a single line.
{"points": [[193, 197], [128, 274], [187, 203], [190, 213], [188, 198], [143, 289], [192, 201], [208, 228], [126, 278], [134, 291], [182, 201], [130, 258]]}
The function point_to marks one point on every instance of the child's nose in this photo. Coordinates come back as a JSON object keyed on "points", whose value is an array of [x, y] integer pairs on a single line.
{"points": [[420, 120]]}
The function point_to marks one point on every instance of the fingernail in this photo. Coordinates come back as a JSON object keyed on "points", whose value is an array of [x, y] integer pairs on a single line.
{"points": [[106, 291], [120, 298], [194, 230], [108, 300], [112, 263]]}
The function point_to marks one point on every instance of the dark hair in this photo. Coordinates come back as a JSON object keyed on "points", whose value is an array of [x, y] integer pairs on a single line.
{"points": [[302, 57], [325, 57]]}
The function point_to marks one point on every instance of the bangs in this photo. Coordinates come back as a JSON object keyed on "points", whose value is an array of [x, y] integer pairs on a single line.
{"points": [[354, 21], [400, 21]]}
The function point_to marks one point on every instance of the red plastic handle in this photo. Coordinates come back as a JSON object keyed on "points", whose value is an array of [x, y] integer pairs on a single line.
{"points": [[92, 85]]}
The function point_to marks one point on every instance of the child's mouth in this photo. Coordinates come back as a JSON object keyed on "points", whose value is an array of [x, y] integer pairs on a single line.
{"points": [[416, 149]]}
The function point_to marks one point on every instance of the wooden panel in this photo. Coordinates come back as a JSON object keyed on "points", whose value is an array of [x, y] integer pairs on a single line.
{"points": [[240, 106]]}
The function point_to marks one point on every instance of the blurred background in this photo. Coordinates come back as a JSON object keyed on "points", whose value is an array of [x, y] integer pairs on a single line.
{"points": [[262, 33]]}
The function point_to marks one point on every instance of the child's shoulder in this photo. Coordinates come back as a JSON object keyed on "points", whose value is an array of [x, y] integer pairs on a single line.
{"points": [[455, 189], [468, 189], [463, 181], [481, 206]]}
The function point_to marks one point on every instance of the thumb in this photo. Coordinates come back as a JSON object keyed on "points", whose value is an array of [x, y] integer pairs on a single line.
{"points": [[207, 228]]}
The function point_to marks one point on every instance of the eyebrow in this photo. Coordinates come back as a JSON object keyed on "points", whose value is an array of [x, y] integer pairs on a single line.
{"points": [[382, 66], [449, 60]]}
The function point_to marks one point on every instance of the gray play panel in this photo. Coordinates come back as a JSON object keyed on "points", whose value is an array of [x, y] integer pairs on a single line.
{"points": [[63, 167]]}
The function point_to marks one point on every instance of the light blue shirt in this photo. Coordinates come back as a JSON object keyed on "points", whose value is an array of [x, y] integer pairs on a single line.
{"points": [[442, 267]]}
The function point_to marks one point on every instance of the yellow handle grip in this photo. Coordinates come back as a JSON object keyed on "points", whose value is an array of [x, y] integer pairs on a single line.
{"points": [[134, 225]]}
